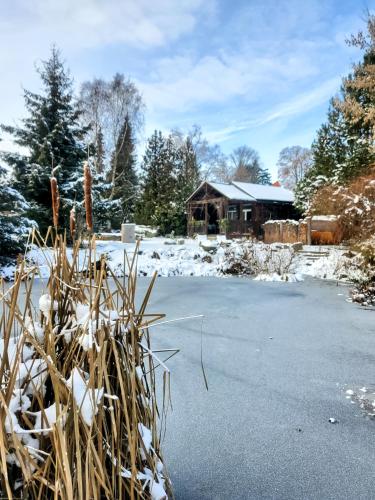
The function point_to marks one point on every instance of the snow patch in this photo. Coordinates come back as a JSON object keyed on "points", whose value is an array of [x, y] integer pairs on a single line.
{"points": [[86, 398]]}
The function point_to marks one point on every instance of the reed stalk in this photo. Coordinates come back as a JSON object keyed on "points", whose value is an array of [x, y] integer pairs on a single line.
{"points": [[78, 405], [88, 195], [55, 201], [72, 222]]}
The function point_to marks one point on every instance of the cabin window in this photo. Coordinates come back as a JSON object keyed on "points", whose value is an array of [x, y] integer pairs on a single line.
{"points": [[232, 212], [247, 212]]}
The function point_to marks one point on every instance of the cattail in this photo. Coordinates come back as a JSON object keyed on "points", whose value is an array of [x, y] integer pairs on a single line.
{"points": [[72, 222], [55, 201], [87, 189]]}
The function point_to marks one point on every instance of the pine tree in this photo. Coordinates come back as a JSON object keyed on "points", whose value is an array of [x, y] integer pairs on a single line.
{"points": [[344, 147], [187, 180], [123, 174], [330, 148], [264, 176], [14, 226], [338, 155], [188, 176], [53, 139], [158, 183]]}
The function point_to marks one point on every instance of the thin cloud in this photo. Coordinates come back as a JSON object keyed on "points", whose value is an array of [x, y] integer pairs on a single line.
{"points": [[91, 23], [304, 102], [301, 104]]}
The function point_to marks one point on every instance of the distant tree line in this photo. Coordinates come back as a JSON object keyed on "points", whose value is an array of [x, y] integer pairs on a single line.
{"points": [[102, 126]]}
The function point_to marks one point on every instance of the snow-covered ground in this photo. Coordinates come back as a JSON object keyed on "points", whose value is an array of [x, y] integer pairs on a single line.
{"points": [[331, 265], [203, 257]]}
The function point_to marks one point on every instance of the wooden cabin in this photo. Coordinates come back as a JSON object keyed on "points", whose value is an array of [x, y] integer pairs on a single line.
{"points": [[237, 209]]}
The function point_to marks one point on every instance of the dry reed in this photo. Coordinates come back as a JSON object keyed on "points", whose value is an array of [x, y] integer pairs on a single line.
{"points": [[72, 222], [55, 201], [88, 195], [78, 412]]}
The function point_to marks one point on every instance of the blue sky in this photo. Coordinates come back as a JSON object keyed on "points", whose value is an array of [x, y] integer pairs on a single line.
{"points": [[258, 73]]}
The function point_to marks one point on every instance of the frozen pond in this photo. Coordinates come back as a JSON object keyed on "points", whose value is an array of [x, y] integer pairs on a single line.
{"points": [[278, 359], [262, 429]]}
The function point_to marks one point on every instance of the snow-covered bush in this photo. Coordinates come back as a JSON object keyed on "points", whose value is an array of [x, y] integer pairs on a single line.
{"points": [[364, 274], [353, 203], [250, 258]]}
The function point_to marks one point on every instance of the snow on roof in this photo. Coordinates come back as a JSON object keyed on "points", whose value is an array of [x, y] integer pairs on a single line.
{"points": [[231, 192], [244, 191], [264, 192]]}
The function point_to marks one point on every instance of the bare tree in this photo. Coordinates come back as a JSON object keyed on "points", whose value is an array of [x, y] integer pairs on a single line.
{"points": [[293, 164], [92, 103], [212, 163], [106, 107], [246, 164], [243, 164], [219, 168]]}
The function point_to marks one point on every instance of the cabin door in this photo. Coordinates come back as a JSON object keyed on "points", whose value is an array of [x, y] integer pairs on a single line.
{"points": [[213, 219]]}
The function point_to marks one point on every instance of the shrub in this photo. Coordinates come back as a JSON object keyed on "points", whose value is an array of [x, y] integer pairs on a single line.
{"points": [[364, 278], [249, 258], [354, 204]]}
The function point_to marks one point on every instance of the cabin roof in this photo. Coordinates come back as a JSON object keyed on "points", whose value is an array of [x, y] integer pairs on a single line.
{"points": [[245, 191], [231, 192], [264, 192]]}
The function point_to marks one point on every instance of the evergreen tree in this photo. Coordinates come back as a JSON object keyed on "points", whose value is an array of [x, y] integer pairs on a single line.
{"points": [[188, 176], [14, 226], [344, 147], [336, 157], [123, 174], [330, 149], [264, 176], [187, 180], [158, 182], [53, 139]]}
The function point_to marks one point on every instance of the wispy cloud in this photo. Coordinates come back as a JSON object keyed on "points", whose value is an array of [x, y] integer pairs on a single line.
{"points": [[298, 105], [184, 82], [304, 102], [235, 68]]}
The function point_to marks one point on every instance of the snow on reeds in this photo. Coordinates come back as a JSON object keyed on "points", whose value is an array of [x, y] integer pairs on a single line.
{"points": [[78, 410]]}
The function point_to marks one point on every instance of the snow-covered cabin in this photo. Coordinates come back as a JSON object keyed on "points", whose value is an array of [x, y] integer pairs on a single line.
{"points": [[238, 208]]}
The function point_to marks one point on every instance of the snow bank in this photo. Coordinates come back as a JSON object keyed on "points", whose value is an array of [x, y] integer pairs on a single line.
{"points": [[199, 257], [333, 266], [291, 278]]}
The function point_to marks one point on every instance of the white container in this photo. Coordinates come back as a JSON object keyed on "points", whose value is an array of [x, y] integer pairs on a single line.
{"points": [[127, 233]]}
